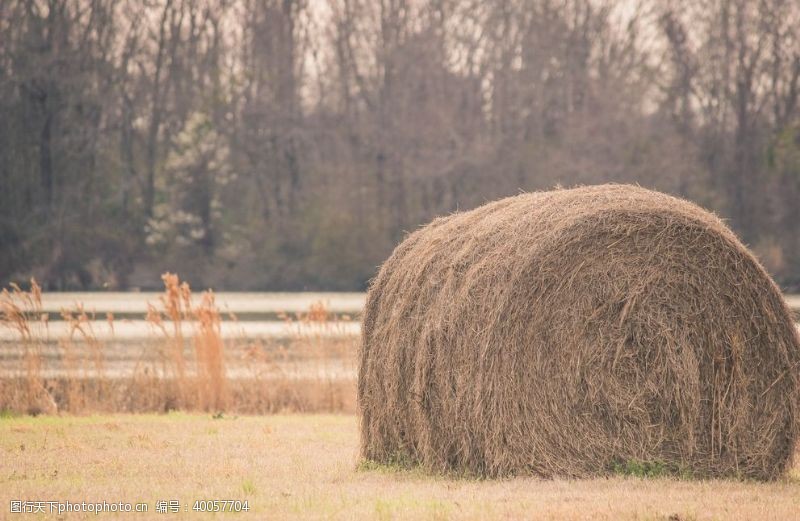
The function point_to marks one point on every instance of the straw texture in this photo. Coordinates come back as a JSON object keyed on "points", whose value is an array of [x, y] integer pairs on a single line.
{"points": [[561, 333]]}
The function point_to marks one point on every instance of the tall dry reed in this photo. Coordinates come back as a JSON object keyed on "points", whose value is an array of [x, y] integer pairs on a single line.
{"points": [[185, 365]]}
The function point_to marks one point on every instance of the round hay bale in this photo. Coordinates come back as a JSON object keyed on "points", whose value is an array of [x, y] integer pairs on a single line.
{"points": [[564, 333]]}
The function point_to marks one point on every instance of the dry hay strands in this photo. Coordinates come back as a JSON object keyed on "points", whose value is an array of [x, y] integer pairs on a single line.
{"points": [[564, 333]]}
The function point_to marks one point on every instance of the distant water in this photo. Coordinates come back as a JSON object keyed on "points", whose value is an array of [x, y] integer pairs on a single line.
{"points": [[233, 302], [140, 329], [244, 314]]}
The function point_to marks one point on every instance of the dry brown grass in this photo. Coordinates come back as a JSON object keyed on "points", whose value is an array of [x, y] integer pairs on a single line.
{"points": [[18, 309], [186, 366], [565, 333], [305, 467]]}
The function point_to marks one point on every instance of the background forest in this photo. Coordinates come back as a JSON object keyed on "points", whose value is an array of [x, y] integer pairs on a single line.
{"points": [[290, 144]]}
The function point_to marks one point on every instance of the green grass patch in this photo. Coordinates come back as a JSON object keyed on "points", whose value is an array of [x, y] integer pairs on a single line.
{"points": [[650, 469], [7, 414], [248, 487], [403, 466]]}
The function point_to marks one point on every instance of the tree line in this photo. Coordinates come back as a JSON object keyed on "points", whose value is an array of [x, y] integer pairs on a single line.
{"points": [[290, 144]]}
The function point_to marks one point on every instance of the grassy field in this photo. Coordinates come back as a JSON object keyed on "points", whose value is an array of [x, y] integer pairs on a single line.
{"points": [[284, 466], [306, 466]]}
